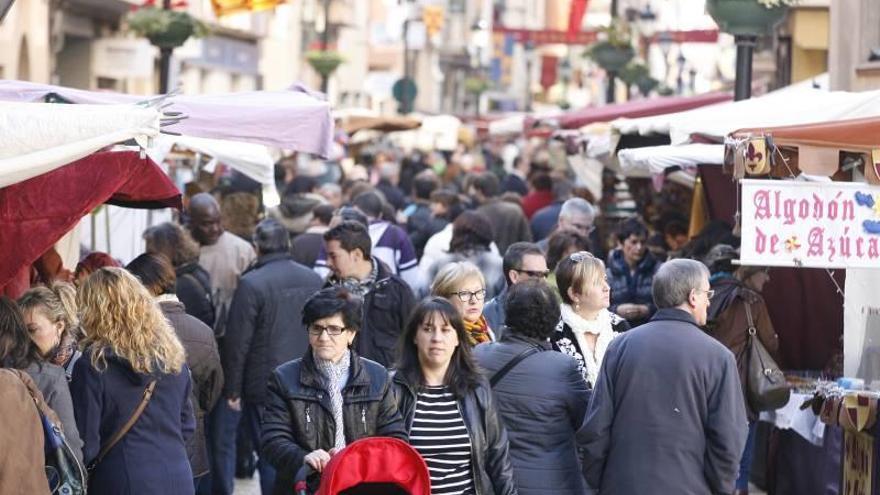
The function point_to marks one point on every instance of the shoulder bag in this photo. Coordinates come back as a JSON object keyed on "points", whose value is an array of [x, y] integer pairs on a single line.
{"points": [[533, 349], [148, 394], [766, 388]]}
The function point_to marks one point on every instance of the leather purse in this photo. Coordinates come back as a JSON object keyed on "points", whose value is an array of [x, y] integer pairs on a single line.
{"points": [[766, 387]]}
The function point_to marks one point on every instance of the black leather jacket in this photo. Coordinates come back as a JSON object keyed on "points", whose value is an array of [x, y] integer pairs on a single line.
{"points": [[299, 418], [490, 468]]}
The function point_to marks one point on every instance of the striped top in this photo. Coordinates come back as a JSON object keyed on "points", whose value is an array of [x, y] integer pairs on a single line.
{"points": [[439, 434]]}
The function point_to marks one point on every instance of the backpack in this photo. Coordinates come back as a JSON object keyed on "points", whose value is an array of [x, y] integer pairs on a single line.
{"points": [[64, 471]]}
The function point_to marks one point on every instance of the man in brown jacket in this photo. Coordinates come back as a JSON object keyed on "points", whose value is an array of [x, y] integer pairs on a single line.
{"points": [[22, 461], [735, 288]]}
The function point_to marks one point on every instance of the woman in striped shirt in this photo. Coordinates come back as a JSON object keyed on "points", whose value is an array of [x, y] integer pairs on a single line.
{"points": [[448, 407]]}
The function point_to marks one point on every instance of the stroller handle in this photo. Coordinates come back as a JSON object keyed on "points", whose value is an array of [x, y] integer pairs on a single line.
{"points": [[300, 486]]}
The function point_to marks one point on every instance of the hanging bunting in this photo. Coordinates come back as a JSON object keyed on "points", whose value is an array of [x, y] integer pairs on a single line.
{"points": [[226, 7]]}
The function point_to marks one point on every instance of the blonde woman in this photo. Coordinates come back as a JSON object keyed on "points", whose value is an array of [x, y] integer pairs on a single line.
{"points": [[131, 356], [463, 285], [586, 326], [52, 322]]}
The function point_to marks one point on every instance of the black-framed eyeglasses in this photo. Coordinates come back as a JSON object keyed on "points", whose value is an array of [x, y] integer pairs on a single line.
{"points": [[332, 330], [580, 256], [466, 295], [534, 273]]}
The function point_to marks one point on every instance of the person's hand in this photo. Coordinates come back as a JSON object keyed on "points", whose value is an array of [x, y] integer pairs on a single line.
{"points": [[627, 310], [642, 311], [234, 404], [317, 459]]}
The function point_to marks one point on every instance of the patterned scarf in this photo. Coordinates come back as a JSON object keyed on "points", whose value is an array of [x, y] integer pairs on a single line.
{"points": [[335, 378], [63, 351], [478, 331], [355, 286]]}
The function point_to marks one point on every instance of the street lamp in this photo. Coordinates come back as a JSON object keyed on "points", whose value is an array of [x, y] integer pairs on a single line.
{"points": [[679, 79], [664, 41], [479, 33]]}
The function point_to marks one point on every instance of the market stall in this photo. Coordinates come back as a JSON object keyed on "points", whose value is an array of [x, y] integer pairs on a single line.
{"points": [[826, 225]]}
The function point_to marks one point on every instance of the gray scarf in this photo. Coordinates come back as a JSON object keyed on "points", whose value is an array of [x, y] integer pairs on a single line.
{"points": [[335, 377]]}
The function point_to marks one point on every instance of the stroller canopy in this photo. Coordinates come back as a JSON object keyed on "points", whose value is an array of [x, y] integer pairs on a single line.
{"points": [[376, 460]]}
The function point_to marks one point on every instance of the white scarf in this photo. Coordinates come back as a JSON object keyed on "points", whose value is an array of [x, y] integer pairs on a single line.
{"points": [[601, 327], [336, 376]]}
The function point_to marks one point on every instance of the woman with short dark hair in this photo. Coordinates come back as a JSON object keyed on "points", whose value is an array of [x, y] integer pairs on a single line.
{"points": [[542, 399], [448, 407], [331, 386]]}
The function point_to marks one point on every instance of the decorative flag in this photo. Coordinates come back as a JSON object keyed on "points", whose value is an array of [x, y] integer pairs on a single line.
{"points": [[576, 16], [225, 7], [432, 17]]}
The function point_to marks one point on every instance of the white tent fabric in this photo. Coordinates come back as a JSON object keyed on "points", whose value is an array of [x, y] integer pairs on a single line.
{"points": [[507, 126], [797, 104], [253, 160], [653, 160], [37, 138]]}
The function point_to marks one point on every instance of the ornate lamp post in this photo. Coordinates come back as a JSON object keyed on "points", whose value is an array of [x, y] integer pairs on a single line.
{"points": [[746, 20]]}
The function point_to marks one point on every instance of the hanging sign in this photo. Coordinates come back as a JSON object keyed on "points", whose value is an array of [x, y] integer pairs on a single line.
{"points": [[810, 224]]}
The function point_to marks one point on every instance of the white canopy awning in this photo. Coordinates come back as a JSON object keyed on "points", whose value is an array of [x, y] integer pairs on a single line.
{"points": [[253, 160], [652, 160], [36, 138], [800, 103]]}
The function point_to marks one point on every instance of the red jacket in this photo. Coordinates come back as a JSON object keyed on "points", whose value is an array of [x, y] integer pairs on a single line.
{"points": [[535, 200]]}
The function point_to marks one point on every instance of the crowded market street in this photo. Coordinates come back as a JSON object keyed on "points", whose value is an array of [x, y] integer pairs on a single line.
{"points": [[440, 247]]}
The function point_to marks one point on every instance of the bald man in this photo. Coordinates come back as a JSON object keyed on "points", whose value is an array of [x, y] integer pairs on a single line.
{"points": [[225, 257]]}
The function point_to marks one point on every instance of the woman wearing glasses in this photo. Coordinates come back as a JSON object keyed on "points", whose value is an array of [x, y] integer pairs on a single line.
{"points": [[463, 285], [586, 327], [328, 398], [448, 406]]}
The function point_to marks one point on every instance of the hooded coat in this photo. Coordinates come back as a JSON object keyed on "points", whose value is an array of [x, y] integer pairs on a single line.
{"points": [[727, 322], [151, 458]]}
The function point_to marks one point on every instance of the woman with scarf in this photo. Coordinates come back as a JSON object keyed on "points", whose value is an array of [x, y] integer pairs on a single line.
{"points": [[50, 315], [586, 327], [19, 350], [448, 407], [328, 398], [463, 285], [736, 288]]}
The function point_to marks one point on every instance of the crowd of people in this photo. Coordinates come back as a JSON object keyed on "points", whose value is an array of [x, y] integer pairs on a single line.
{"points": [[484, 319]]}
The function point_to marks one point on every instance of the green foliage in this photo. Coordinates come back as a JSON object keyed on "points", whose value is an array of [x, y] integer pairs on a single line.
{"points": [[165, 28]]}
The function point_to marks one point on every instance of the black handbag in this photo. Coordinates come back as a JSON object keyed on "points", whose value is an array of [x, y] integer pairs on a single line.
{"points": [[766, 388]]}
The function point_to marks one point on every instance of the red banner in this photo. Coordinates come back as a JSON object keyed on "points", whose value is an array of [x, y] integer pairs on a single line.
{"points": [[551, 36], [549, 66]]}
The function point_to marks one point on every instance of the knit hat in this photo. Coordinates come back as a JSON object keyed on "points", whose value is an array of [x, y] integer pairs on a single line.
{"points": [[720, 257]]}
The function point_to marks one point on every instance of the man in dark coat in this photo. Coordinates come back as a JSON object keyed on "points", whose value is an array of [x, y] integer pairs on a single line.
{"points": [[509, 221], [522, 261], [264, 328], [667, 413], [388, 300]]}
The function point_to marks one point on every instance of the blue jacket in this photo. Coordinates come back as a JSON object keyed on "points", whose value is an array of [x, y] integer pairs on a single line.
{"points": [[631, 288], [495, 314], [151, 458]]}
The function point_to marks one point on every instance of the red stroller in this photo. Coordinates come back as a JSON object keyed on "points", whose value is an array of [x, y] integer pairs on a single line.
{"points": [[371, 466]]}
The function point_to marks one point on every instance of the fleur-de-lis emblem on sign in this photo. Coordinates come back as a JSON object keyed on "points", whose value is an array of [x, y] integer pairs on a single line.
{"points": [[752, 154], [792, 244]]}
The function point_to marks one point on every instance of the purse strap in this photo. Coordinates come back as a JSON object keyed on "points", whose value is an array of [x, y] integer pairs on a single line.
{"points": [[752, 329], [533, 349], [148, 394]]}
